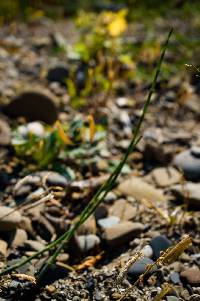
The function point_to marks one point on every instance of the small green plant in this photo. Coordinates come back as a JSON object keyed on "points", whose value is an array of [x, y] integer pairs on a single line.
{"points": [[77, 140]]}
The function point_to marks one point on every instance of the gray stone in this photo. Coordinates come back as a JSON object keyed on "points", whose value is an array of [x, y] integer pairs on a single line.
{"points": [[189, 162], [55, 179], [139, 267], [9, 219], [122, 233], [108, 222], [159, 244], [139, 189], [191, 190], [122, 209]]}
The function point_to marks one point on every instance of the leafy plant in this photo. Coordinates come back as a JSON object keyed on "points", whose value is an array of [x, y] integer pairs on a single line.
{"points": [[76, 140]]}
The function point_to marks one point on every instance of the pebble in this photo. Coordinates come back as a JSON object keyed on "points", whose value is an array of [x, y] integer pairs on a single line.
{"points": [[5, 133], [159, 243], [34, 245], [55, 179], [189, 162], [123, 210], [58, 74], [108, 222], [33, 105], [139, 189], [191, 275], [110, 197], [53, 273], [147, 251], [172, 298], [101, 212], [87, 242], [175, 278], [11, 221], [139, 267], [122, 233], [19, 238], [192, 192], [165, 177]]}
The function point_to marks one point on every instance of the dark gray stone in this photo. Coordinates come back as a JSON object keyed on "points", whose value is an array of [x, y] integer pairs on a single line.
{"points": [[159, 243], [139, 267], [189, 162], [58, 74]]}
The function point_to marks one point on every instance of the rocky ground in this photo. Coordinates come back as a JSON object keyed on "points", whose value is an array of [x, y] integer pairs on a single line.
{"points": [[155, 202]]}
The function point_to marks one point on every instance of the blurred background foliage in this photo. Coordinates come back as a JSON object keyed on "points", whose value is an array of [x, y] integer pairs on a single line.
{"points": [[11, 9]]}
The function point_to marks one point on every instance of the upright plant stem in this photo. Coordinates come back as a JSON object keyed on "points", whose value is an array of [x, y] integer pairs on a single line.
{"points": [[104, 189]]}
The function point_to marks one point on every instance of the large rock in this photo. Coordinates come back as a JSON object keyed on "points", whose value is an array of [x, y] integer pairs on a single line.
{"points": [[191, 191], [122, 233], [9, 219], [139, 189], [33, 105], [189, 162]]}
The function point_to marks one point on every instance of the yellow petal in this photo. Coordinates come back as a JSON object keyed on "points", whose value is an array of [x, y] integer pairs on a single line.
{"points": [[92, 127], [64, 137]]}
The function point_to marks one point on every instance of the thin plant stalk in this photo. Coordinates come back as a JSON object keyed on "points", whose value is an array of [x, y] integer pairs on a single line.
{"points": [[104, 189]]}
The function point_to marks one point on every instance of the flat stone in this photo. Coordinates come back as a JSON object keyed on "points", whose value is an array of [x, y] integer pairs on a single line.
{"points": [[124, 210], [159, 244], [108, 222], [122, 233], [34, 245], [34, 106], [165, 177], [139, 189], [5, 133], [87, 242], [191, 275], [189, 162], [139, 267], [55, 179], [191, 190], [11, 221], [173, 298]]}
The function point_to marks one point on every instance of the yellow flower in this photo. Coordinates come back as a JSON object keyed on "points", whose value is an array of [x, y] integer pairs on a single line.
{"points": [[117, 26]]}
